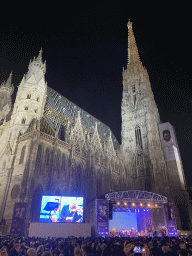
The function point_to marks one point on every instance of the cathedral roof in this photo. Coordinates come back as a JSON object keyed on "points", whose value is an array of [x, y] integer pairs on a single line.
{"points": [[59, 110]]}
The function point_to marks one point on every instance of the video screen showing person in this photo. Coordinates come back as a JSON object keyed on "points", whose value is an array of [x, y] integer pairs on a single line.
{"points": [[61, 209]]}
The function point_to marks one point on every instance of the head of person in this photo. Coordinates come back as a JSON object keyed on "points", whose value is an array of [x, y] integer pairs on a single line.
{"points": [[77, 251], [40, 249], [73, 207], [3, 253], [61, 247], [31, 252], [17, 247], [182, 245], [86, 249]]}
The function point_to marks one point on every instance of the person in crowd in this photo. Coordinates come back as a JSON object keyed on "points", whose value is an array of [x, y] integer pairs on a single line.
{"points": [[40, 250], [166, 249], [183, 249], [15, 250], [31, 252], [128, 248], [3, 253], [99, 246], [77, 251], [86, 251]]}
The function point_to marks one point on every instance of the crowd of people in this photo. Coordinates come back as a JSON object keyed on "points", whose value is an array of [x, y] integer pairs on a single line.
{"points": [[112, 246]]}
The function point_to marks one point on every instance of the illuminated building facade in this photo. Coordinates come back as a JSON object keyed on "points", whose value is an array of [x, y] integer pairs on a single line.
{"points": [[51, 146]]}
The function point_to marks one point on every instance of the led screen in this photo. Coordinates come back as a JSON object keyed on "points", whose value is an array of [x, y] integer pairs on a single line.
{"points": [[123, 221], [61, 209]]}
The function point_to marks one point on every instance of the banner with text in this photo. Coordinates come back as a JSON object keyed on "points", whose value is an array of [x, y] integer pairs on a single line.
{"points": [[102, 217]]}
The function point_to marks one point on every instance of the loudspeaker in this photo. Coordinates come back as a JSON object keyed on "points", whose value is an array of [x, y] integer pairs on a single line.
{"points": [[169, 212]]}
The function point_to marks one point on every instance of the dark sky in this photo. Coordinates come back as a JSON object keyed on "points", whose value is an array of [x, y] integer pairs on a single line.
{"points": [[85, 48]]}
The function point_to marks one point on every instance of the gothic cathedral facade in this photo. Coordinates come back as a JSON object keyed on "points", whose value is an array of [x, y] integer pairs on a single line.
{"points": [[51, 146]]}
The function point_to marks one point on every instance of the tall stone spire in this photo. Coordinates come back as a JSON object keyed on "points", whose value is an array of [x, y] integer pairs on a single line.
{"points": [[8, 85], [133, 54]]}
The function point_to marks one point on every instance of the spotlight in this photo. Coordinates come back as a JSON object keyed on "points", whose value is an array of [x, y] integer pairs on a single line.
{"points": [[133, 204], [141, 204], [148, 205], [125, 203], [118, 203], [156, 205]]}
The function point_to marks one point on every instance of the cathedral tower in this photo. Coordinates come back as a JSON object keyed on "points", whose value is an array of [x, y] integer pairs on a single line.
{"points": [[141, 144], [6, 90], [30, 99]]}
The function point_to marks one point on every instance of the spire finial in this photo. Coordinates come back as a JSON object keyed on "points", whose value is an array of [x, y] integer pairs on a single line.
{"points": [[39, 58], [133, 55], [8, 83], [38, 62]]}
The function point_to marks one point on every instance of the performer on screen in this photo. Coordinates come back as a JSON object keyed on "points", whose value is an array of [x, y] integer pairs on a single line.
{"points": [[71, 213]]}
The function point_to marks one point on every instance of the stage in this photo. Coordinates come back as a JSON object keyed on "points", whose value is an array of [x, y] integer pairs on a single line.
{"points": [[135, 213]]}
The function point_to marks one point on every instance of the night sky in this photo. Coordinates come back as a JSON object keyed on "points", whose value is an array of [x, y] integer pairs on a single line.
{"points": [[85, 48]]}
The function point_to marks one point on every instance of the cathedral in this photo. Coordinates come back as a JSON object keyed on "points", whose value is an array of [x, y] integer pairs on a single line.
{"points": [[50, 146]]}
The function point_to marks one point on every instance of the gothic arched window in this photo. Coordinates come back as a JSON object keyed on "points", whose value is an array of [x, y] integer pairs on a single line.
{"points": [[58, 164], [23, 121], [138, 137], [47, 157], [99, 183], [133, 88], [36, 204], [78, 179], [147, 186], [62, 133], [22, 155], [28, 96], [39, 153]]}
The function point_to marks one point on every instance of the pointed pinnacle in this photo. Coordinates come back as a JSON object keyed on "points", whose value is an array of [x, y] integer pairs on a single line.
{"points": [[39, 58], [8, 83], [96, 127]]}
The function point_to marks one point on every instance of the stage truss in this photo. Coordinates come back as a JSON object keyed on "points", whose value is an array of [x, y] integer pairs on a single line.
{"points": [[136, 195]]}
